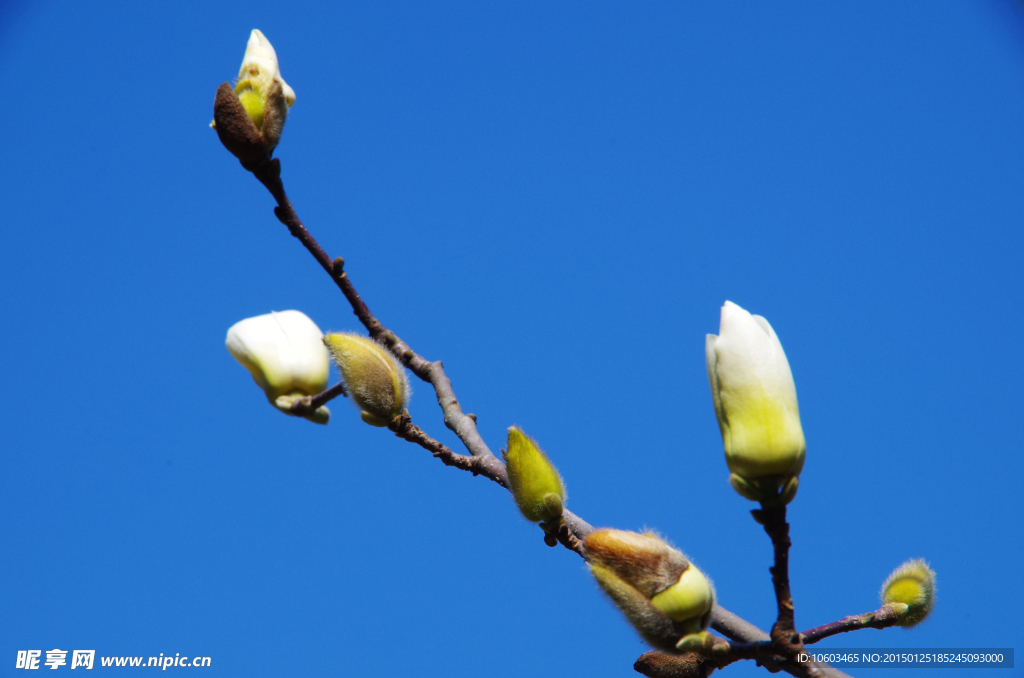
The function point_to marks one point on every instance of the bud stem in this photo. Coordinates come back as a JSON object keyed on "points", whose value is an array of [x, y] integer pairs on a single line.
{"points": [[785, 639], [882, 618], [304, 406]]}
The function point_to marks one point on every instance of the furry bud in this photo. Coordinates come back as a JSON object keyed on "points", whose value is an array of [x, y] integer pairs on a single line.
{"points": [[284, 352], [373, 377], [913, 585], [249, 119], [536, 485], [661, 593]]}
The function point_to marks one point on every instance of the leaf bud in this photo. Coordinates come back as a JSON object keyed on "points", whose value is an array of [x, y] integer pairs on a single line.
{"points": [[285, 355], [535, 483], [661, 593], [913, 585], [373, 377]]}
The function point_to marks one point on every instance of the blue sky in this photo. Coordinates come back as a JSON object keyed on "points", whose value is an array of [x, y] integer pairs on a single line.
{"points": [[555, 200]]}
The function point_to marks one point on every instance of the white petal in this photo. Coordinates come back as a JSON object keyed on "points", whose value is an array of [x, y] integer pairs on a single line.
{"points": [[283, 351], [260, 55], [712, 360]]}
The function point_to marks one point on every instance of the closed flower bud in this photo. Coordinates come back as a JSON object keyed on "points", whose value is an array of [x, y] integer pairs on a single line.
{"points": [[755, 402], [536, 485], [662, 594], [374, 378], [911, 584], [284, 352], [250, 118]]}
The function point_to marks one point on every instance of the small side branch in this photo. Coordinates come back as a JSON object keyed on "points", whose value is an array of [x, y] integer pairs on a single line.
{"points": [[309, 404], [722, 654], [882, 618], [403, 427]]}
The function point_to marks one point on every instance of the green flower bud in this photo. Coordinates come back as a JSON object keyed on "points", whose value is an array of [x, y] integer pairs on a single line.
{"points": [[913, 585], [373, 377], [536, 485], [661, 593], [284, 352], [755, 402]]}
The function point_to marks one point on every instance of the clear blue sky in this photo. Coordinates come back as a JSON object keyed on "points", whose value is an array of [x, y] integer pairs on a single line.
{"points": [[554, 199]]}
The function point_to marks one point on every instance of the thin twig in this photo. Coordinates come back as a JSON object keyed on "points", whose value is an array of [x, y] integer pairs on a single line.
{"points": [[882, 618], [309, 404], [403, 427]]}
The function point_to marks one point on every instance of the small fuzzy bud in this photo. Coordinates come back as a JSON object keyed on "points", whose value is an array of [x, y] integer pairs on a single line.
{"points": [[536, 485], [373, 377], [913, 585], [250, 118], [661, 593], [285, 355]]}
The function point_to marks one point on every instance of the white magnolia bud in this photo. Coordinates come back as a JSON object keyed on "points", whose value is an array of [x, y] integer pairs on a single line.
{"points": [[262, 91], [285, 354], [755, 402]]}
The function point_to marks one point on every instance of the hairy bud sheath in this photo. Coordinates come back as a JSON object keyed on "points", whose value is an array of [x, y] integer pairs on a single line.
{"points": [[284, 352], [536, 485], [912, 584], [374, 378], [249, 119], [662, 594], [755, 403]]}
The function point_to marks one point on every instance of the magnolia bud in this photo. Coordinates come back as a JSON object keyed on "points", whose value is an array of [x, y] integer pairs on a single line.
{"points": [[536, 485], [755, 402], [662, 594], [913, 585], [284, 352], [250, 118], [374, 379]]}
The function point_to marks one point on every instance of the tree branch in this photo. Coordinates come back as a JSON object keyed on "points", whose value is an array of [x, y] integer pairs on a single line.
{"points": [[882, 618], [774, 521], [403, 427], [786, 641], [309, 404], [481, 460], [463, 425]]}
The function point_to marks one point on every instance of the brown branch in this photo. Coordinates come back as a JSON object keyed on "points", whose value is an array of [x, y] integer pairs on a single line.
{"points": [[463, 425], [882, 618], [403, 427], [786, 641], [309, 404], [481, 460], [774, 521], [661, 665]]}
